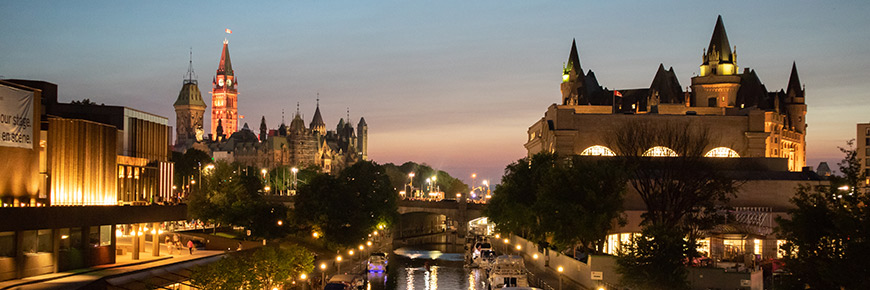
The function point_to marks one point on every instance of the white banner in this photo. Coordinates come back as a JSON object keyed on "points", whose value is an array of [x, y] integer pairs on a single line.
{"points": [[16, 118]]}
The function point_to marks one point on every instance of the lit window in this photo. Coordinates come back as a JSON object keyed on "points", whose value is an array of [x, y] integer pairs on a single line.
{"points": [[598, 150], [721, 152], [757, 247], [660, 151]]}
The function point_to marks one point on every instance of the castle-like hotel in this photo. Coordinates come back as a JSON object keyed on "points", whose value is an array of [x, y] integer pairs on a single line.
{"points": [[294, 145], [745, 118]]}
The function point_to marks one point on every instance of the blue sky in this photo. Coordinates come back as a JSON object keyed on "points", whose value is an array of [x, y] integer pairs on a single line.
{"points": [[454, 84]]}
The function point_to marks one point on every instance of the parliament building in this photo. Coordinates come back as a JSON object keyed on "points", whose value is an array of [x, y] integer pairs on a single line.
{"points": [[295, 145]]}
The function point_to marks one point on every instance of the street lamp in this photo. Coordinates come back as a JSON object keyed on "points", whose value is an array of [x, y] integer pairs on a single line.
{"points": [[560, 269], [411, 183], [338, 259], [323, 273], [294, 170], [304, 278]]}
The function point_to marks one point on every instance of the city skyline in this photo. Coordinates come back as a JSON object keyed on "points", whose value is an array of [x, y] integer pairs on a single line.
{"points": [[453, 86]]}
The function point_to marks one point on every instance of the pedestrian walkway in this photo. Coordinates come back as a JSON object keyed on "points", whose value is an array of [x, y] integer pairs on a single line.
{"points": [[79, 278], [548, 275]]}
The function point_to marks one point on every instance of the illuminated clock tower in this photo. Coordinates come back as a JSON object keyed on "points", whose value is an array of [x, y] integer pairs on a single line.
{"points": [[224, 95]]}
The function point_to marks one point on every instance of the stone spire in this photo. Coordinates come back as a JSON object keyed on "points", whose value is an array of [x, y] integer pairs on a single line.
{"points": [[719, 50], [263, 129], [573, 79], [317, 124], [225, 66], [794, 89]]}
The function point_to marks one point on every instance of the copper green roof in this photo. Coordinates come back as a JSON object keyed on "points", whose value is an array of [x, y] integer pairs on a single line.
{"points": [[189, 95]]}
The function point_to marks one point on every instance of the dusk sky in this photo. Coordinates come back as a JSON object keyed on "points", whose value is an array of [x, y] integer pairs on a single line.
{"points": [[454, 84]]}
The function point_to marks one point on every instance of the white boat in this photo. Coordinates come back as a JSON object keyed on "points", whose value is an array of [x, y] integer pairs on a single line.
{"points": [[484, 260], [508, 271]]}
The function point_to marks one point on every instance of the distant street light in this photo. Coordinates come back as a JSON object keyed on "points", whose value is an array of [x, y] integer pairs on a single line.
{"points": [[411, 183], [560, 269], [338, 259], [294, 170]]}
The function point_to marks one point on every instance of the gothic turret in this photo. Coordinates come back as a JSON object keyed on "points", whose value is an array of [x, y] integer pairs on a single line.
{"points": [[317, 124], [362, 130], [794, 101], [718, 82], [794, 91], [719, 59], [573, 80], [224, 95], [264, 131], [189, 110]]}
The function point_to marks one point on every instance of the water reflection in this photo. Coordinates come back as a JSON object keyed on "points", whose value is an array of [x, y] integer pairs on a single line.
{"points": [[430, 268]]}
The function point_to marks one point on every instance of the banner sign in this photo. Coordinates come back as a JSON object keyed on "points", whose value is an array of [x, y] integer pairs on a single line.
{"points": [[16, 118]]}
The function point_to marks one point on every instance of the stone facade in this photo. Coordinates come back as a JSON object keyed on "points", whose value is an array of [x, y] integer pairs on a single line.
{"points": [[735, 107]]}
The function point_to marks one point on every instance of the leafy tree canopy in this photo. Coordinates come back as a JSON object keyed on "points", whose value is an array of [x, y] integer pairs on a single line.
{"points": [[265, 268], [828, 233], [348, 207]]}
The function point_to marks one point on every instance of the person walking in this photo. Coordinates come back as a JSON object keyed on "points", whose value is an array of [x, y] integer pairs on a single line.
{"points": [[168, 244], [190, 246]]}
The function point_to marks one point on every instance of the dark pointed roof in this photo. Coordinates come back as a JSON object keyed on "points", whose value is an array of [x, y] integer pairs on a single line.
{"points": [[220, 128], [719, 46], [794, 83], [263, 123], [752, 92], [667, 85], [189, 95], [362, 122], [318, 119], [297, 126], [225, 67], [574, 59]]}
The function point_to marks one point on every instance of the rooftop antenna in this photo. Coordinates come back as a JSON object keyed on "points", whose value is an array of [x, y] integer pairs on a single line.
{"points": [[282, 116], [191, 76]]}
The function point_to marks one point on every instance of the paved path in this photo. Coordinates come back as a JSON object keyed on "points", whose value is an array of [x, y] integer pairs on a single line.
{"points": [[82, 277]]}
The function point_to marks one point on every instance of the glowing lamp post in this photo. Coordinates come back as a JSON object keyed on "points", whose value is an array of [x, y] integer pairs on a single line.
{"points": [[338, 262], [411, 183], [294, 170], [560, 269], [323, 273]]}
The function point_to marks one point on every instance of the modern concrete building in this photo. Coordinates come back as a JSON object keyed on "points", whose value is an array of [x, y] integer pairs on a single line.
{"points": [[85, 185]]}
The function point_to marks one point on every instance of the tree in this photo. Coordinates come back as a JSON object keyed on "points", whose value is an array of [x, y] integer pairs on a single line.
{"points": [[580, 200], [399, 178], [683, 195], [512, 205], [828, 232], [229, 196], [348, 207], [188, 166], [265, 268], [648, 262]]}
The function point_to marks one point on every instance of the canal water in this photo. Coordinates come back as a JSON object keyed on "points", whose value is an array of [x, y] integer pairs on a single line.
{"points": [[427, 267]]}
